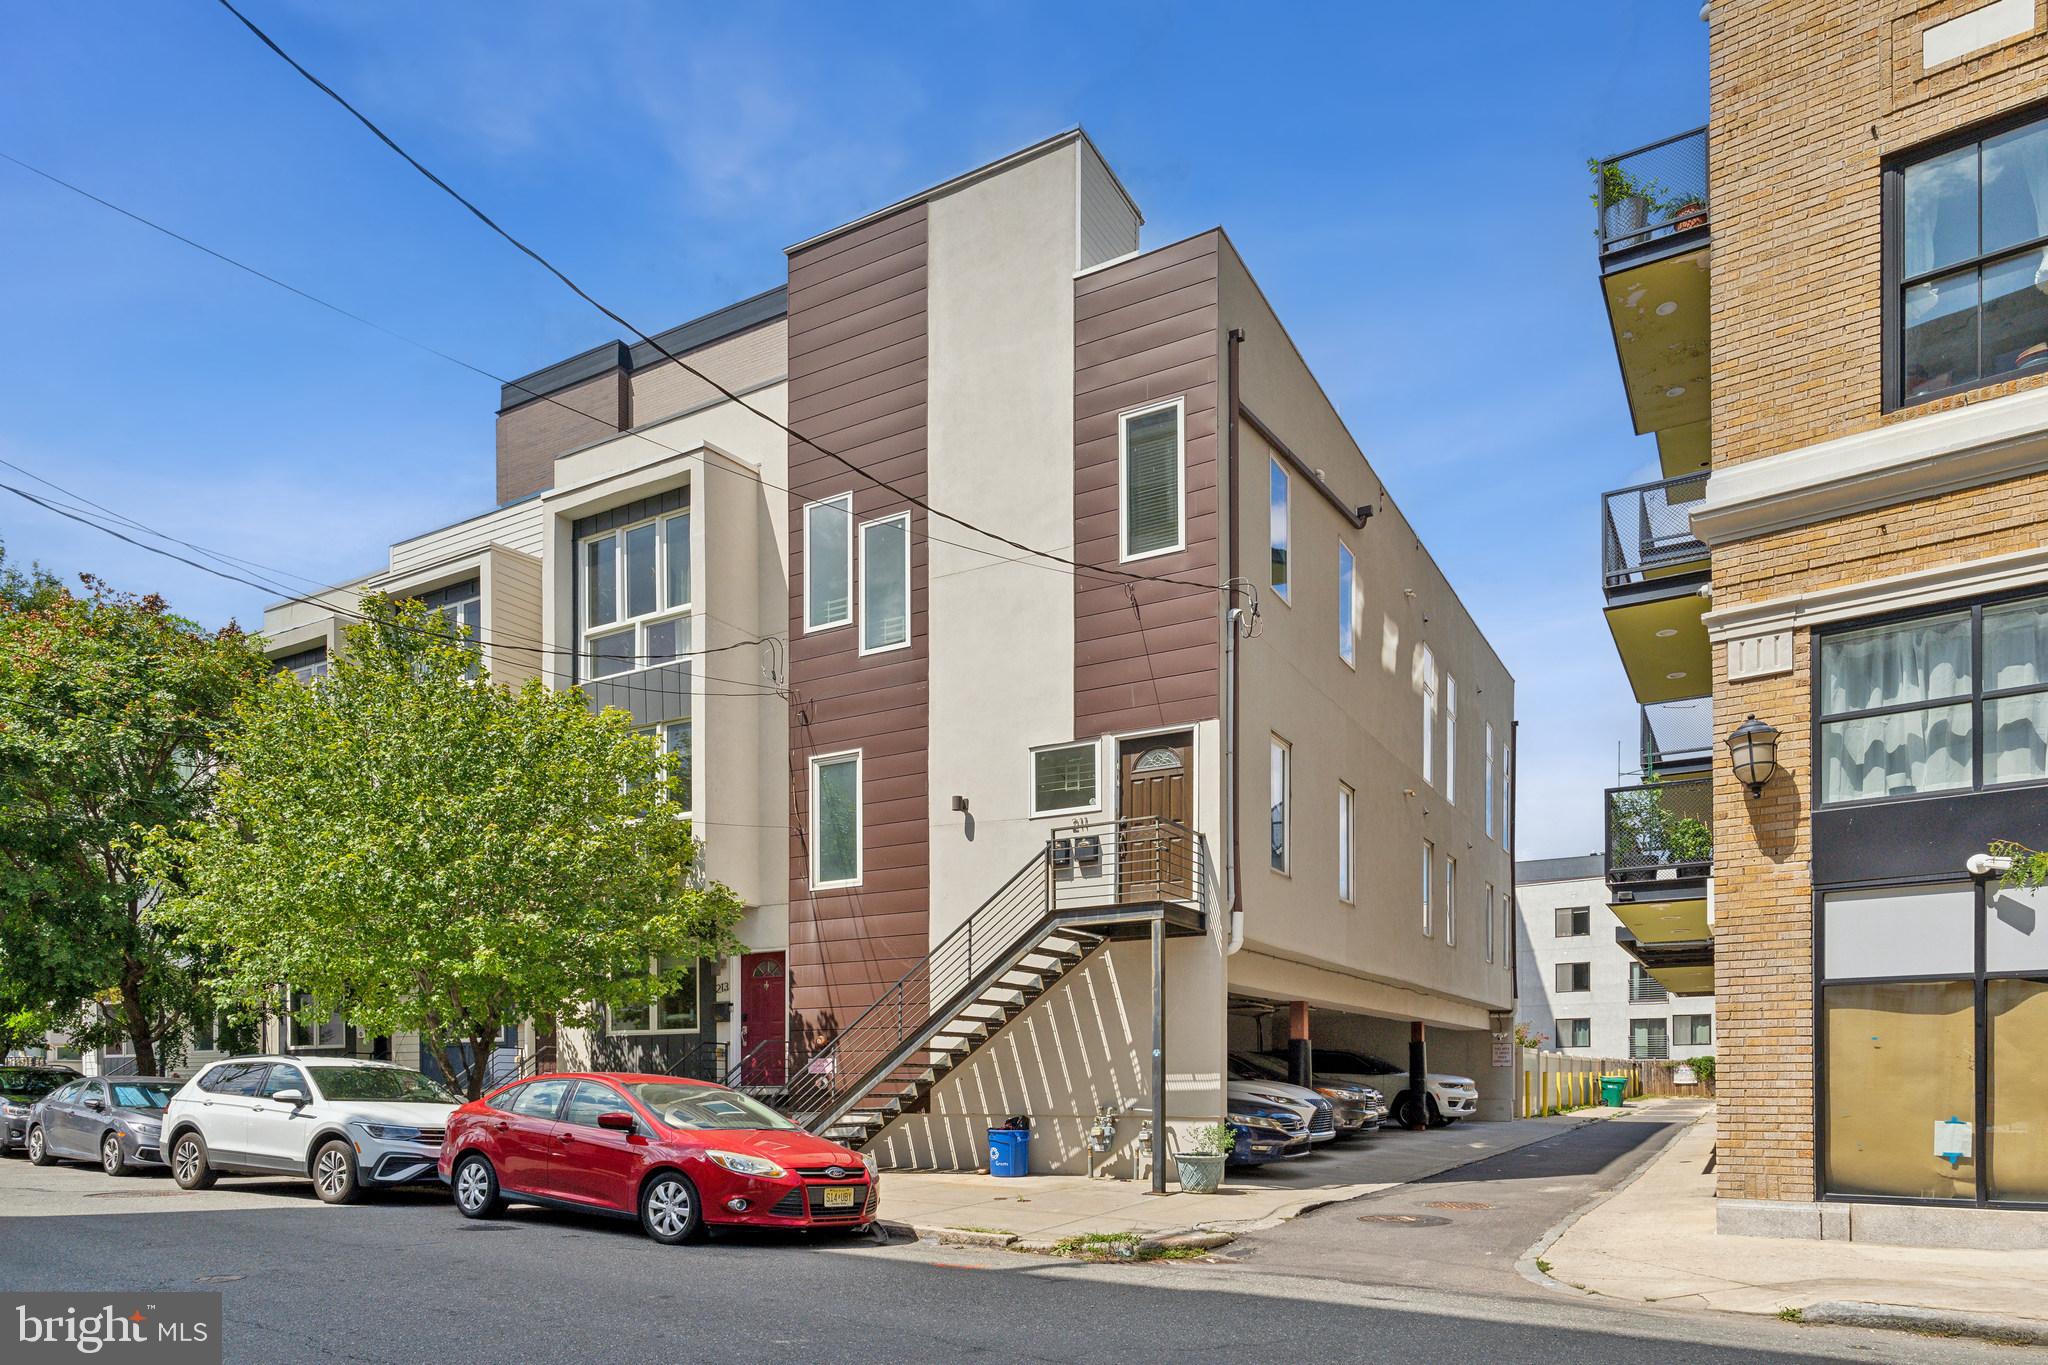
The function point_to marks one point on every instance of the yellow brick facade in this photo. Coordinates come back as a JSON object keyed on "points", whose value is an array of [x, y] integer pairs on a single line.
{"points": [[1808, 100]]}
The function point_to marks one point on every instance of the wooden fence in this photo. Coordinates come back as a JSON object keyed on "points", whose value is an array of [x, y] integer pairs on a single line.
{"points": [[1552, 1082]]}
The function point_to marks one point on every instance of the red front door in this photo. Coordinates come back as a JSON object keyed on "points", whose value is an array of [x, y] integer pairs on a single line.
{"points": [[764, 1018]]}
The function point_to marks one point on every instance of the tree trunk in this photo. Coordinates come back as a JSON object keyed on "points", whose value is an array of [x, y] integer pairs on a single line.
{"points": [[483, 1044], [135, 1017]]}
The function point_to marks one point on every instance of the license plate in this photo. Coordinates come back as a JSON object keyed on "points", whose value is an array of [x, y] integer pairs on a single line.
{"points": [[839, 1196]]}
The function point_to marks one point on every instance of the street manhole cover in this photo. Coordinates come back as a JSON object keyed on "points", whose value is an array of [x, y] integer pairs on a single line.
{"points": [[1406, 1220], [217, 1279], [1462, 1205]]}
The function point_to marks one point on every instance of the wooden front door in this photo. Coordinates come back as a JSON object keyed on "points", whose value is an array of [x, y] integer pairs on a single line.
{"points": [[764, 1018], [1155, 783]]}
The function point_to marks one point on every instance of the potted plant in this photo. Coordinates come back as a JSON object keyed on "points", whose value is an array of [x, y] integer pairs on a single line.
{"points": [[1623, 201], [1201, 1166], [1686, 211]]}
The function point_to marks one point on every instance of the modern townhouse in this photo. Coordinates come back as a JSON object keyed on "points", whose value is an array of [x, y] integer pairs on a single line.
{"points": [[1829, 308], [1064, 693], [1580, 990]]}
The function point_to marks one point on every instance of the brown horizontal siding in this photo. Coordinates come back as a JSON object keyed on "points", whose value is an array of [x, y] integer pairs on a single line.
{"points": [[858, 369], [1146, 653]]}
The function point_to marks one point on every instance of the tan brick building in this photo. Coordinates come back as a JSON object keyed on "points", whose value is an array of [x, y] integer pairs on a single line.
{"points": [[1835, 299]]}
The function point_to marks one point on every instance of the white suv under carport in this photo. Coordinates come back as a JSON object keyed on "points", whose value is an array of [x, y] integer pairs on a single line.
{"points": [[1448, 1098], [348, 1125]]}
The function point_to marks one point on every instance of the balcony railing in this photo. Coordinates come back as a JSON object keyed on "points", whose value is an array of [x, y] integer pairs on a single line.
{"points": [[1646, 531], [1677, 734], [1652, 192], [1660, 830]]}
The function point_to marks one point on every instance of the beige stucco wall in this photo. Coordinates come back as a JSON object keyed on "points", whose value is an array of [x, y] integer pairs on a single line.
{"points": [[1361, 726]]}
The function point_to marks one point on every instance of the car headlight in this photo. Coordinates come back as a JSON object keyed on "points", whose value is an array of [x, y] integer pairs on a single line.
{"points": [[739, 1163], [390, 1132], [13, 1110], [148, 1128], [1262, 1122], [868, 1161]]}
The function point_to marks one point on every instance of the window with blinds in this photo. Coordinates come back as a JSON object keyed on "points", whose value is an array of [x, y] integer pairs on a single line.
{"points": [[1150, 465]]}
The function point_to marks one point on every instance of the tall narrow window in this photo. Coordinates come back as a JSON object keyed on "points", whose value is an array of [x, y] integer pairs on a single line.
{"points": [[1450, 901], [1428, 875], [1347, 800], [1487, 815], [1347, 605], [1149, 478], [1450, 738], [1282, 775], [828, 563], [835, 821], [885, 584], [1277, 510], [676, 556], [676, 739], [1428, 715], [1507, 797], [1489, 921]]}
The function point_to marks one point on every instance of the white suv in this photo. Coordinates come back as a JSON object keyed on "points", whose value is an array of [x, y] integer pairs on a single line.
{"points": [[1448, 1098], [348, 1125]]}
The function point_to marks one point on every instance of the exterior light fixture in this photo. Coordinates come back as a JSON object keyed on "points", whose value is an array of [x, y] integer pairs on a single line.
{"points": [[1753, 753]]}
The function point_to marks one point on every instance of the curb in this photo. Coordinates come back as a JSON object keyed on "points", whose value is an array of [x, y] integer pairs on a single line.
{"points": [[956, 1237], [1525, 1264], [1928, 1321]]}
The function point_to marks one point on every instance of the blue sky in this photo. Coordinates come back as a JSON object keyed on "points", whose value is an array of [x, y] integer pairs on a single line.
{"points": [[1411, 195]]}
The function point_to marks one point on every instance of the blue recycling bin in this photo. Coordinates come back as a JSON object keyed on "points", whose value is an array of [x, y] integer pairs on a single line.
{"points": [[1009, 1151]]}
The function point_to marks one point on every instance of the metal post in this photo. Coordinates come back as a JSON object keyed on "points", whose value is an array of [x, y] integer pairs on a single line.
{"points": [[1417, 1072], [1159, 1055]]}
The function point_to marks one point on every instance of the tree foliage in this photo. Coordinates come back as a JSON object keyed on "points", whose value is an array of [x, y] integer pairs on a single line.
{"points": [[111, 713], [2029, 865], [427, 851]]}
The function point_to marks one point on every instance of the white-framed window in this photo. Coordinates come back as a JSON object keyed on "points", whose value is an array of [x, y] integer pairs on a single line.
{"points": [[676, 737], [1347, 803], [633, 584], [828, 563], [1487, 814], [1489, 921], [1428, 876], [1428, 715], [1450, 902], [1347, 605], [885, 584], [835, 820], [1282, 781], [675, 1012], [1066, 778], [1450, 739], [1279, 494], [1151, 473]]}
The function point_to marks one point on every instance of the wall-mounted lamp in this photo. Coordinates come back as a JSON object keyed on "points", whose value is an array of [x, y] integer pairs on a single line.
{"points": [[1753, 753], [960, 804]]}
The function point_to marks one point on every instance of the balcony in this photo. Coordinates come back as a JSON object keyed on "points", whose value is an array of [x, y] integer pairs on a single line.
{"points": [[1652, 568], [1678, 737], [1660, 853], [1651, 222]]}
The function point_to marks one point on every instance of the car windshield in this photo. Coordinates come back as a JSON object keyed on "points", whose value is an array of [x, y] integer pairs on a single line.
{"points": [[141, 1094], [706, 1106], [389, 1084], [1354, 1062], [29, 1083]]}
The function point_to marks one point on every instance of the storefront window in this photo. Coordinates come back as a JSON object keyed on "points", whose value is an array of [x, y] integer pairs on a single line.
{"points": [[1901, 1057], [2018, 1042]]}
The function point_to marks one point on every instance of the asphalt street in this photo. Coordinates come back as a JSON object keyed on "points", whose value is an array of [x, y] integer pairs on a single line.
{"points": [[404, 1278]]}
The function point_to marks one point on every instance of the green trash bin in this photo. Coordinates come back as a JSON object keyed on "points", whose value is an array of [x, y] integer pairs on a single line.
{"points": [[1612, 1091]]}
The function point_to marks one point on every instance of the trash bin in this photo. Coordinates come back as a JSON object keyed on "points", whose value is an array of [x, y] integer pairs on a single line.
{"points": [[1009, 1151], [1612, 1091]]}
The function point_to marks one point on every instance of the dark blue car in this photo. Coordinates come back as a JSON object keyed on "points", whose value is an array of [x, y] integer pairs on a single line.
{"points": [[1265, 1132]]}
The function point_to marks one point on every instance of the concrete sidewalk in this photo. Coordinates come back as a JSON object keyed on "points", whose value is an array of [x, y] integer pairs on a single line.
{"points": [[1654, 1242], [1044, 1208]]}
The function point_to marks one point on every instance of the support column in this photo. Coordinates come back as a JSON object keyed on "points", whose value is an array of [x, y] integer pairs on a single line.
{"points": [[1301, 1062], [1159, 1055], [1418, 1089]]}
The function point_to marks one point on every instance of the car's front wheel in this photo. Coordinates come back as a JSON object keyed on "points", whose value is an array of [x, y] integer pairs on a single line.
{"points": [[113, 1160], [476, 1187], [189, 1166], [668, 1209], [334, 1173], [39, 1148]]}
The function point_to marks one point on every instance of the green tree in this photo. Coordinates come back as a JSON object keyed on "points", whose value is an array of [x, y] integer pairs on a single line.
{"points": [[426, 851], [2029, 865], [111, 713]]}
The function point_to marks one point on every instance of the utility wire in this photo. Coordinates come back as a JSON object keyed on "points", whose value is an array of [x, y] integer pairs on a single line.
{"points": [[474, 369], [687, 368]]}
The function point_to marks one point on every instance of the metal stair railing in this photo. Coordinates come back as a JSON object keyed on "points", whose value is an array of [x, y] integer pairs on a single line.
{"points": [[1087, 867]]}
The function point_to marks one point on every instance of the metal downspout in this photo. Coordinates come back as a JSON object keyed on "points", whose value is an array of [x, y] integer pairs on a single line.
{"points": [[1231, 622]]}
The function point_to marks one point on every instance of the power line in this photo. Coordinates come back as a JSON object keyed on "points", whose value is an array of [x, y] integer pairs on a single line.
{"points": [[686, 367], [474, 369]]}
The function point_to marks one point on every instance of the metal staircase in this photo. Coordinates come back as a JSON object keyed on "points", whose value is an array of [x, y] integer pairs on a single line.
{"points": [[1092, 882]]}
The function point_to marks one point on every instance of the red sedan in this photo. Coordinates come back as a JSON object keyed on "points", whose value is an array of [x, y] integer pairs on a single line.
{"points": [[674, 1153]]}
